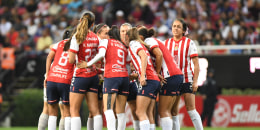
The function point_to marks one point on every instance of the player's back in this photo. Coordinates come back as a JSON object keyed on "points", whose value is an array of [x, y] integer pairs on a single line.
{"points": [[115, 59], [61, 70]]}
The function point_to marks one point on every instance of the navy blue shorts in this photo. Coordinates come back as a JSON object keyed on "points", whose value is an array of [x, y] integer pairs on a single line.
{"points": [[132, 91], [172, 87], [57, 91], [186, 88], [150, 89], [119, 85], [83, 85]]}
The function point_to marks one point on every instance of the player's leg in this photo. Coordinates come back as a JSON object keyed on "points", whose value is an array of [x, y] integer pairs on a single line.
{"points": [[151, 114], [92, 101], [131, 100], [65, 107], [62, 120], [75, 104], [165, 105], [132, 105], [43, 119], [175, 112], [90, 122], [189, 99], [120, 110], [142, 104], [53, 99]]}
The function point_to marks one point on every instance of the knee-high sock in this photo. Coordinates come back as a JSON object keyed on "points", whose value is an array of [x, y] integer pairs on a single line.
{"points": [[175, 123], [166, 123], [98, 122], [75, 123], [52, 123], [90, 124], [61, 124], [145, 125], [152, 126], [67, 123], [136, 125], [196, 120], [111, 120], [121, 118], [43, 121]]}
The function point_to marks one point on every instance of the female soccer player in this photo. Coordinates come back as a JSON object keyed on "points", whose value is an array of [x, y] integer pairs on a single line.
{"points": [[170, 75], [43, 119], [184, 51], [149, 81], [59, 76], [101, 30], [131, 99], [116, 80], [83, 47]]}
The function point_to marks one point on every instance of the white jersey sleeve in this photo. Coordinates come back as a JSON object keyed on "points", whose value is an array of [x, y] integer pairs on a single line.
{"points": [[193, 49], [74, 46], [135, 46], [151, 42], [55, 47]]}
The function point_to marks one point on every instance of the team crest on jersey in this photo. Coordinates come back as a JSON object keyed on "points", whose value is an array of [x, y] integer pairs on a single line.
{"points": [[176, 48]]}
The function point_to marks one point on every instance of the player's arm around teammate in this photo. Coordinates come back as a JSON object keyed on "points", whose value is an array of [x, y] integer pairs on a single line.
{"points": [[148, 78], [84, 46]]}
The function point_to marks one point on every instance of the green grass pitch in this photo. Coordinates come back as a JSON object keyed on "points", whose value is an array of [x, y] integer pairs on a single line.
{"points": [[183, 128]]}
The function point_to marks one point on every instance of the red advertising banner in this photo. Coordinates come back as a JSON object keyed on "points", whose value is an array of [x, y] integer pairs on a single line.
{"points": [[229, 111]]}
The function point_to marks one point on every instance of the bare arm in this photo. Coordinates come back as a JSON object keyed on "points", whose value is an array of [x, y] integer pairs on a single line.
{"points": [[144, 60], [195, 61], [158, 59], [48, 65], [72, 56]]}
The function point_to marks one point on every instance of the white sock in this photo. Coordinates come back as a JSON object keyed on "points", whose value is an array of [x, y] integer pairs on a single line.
{"points": [[136, 125], [121, 124], [75, 123], [111, 120], [175, 123], [43, 121], [90, 124], [166, 123], [145, 125], [67, 123], [52, 123], [98, 122], [61, 124], [196, 120], [152, 126]]}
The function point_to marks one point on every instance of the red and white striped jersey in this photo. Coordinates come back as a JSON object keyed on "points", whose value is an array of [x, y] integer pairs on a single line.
{"points": [[61, 70], [115, 59], [85, 52], [169, 67], [182, 51], [134, 48]]}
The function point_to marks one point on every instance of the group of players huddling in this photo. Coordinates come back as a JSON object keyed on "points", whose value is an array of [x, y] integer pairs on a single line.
{"points": [[134, 66]]}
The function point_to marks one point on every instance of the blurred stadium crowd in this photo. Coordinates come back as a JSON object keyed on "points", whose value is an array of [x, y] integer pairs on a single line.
{"points": [[33, 25]]}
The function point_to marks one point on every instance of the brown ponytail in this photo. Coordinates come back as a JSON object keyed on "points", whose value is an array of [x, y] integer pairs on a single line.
{"points": [[134, 35], [86, 21]]}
